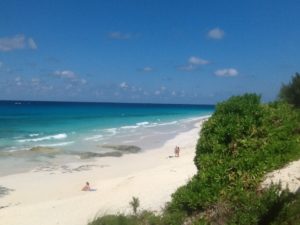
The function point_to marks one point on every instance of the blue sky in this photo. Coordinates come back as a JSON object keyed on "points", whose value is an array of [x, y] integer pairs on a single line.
{"points": [[197, 52]]}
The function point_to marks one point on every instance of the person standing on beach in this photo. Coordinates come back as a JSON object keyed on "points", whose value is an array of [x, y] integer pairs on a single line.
{"points": [[177, 150]]}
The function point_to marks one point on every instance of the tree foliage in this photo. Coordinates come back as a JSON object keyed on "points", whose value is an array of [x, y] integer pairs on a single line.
{"points": [[291, 92], [135, 203]]}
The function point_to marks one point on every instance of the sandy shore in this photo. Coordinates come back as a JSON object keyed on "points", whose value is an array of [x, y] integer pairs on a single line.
{"points": [[288, 177], [51, 196]]}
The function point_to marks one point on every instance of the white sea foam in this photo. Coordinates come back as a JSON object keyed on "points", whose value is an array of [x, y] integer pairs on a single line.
{"points": [[152, 125], [168, 123], [94, 138], [160, 124], [129, 127], [56, 137], [142, 123], [33, 135], [15, 149], [113, 131], [127, 142], [196, 118], [58, 144]]}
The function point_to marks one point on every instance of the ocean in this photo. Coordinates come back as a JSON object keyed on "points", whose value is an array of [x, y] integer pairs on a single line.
{"points": [[34, 133]]}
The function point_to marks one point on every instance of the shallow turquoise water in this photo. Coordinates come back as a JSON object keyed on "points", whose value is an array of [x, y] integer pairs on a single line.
{"points": [[24, 125]]}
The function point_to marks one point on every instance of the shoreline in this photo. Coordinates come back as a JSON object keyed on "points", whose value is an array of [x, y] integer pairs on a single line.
{"points": [[54, 196]]}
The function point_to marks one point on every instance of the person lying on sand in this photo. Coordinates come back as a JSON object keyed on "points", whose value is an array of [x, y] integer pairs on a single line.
{"points": [[86, 187]]}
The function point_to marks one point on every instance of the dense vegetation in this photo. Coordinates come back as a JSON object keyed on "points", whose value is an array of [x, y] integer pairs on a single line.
{"points": [[291, 92], [239, 144]]}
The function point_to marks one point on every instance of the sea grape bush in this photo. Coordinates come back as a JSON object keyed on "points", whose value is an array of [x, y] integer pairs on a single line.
{"points": [[242, 141]]}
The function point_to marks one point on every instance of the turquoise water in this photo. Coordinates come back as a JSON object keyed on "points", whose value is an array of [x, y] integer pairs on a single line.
{"points": [[79, 127]]}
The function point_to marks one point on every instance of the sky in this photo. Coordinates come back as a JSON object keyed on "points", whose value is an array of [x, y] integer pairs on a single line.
{"points": [[147, 51]]}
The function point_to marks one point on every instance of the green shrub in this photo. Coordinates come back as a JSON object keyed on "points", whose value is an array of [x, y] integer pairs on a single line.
{"points": [[291, 92], [239, 144], [144, 218], [289, 210], [114, 220]]}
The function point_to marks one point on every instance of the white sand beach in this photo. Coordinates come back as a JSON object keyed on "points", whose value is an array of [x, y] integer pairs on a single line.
{"points": [[51, 196], [288, 177]]}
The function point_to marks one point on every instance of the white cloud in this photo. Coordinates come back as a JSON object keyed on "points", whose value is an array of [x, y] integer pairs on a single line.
{"points": [[70, 76], [119, 35], [173, 93], [187, 68], [163, 88], [123, 85], [65, 74], [1, 64], [18, 81], [35, 81], [31, 43], [157, 92], [193, 64], [47, 88], [83, 81], [230, 72], [12, 43], [147, 69], [193, 60], [16, 42], [216, 33]]}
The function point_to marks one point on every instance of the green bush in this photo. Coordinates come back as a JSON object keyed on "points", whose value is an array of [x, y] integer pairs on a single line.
{"points": [[239, 144], [289, 210], [291, 92], [144, 218], [114, 220]]}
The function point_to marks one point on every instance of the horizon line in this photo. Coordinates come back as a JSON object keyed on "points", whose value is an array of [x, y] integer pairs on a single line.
{"points": [[94, 102]]}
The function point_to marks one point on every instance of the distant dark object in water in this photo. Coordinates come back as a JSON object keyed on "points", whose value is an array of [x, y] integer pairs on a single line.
{"points": [[123, 148]]}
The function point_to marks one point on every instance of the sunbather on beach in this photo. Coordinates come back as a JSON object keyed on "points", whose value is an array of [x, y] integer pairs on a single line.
{"points": [[86, 187]]}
